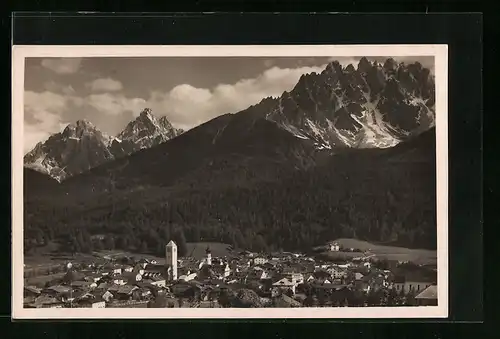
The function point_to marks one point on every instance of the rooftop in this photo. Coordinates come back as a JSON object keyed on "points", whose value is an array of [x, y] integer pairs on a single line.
{"points": [[429, 293]]}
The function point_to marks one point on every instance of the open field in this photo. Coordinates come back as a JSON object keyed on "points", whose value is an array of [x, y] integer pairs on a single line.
{"points": [[418, 256], [46, 257]]}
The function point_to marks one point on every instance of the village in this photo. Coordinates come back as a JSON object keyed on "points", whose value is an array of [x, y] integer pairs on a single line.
{"points": [[241, 279]]}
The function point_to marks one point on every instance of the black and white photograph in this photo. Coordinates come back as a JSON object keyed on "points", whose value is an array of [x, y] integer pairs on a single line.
{"points": [[305, 181]]}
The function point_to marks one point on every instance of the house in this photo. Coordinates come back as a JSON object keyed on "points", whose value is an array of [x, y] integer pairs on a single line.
{"points": [[181, 289], [123, 292], [93, 277], [188, 277], [113, 268], [412, 284], [257, 275], [284, 301], [83, 284], [139, 268], [327, 287], [362, 285], [321, 274], [309, 277], [296, 278], [156, 281], [222, 271], [128, 268], [91, 303], [152, 270], [71, 276], [45, 301], [428, 297], [334, 247], [260, 261], [143, 262], [284, 284], [358, 276], [337, 273], [31, 291], [57, 290], [103, 294], [120, 280]]}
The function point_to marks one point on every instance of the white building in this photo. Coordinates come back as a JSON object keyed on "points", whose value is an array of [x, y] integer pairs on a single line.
{"points": [[260, 261], [334, 247], [171, 260]]}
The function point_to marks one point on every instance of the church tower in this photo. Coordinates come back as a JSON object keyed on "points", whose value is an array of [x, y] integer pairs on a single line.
{"points": [[171, 260], [209, 256]]}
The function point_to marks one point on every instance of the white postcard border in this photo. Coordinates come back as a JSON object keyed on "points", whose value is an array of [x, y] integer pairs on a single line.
{"points": [[440, 53]]}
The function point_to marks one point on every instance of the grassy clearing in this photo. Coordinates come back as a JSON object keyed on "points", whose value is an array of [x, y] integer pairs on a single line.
{"points": [[418, 256]]}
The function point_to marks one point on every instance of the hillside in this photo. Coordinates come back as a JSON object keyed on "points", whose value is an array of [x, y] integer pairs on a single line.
{"points": [[36, 182], [374, 194]]}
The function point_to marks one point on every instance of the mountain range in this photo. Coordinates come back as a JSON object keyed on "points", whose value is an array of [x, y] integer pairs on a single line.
{"points": [[81, 146], [348, 152], [371, 106]]}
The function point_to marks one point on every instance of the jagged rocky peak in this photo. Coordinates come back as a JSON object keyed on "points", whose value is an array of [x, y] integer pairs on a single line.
{"points": [[79, 128], [350, 68], [390, 64], [359, 106], [164, 122], [81, 146], [364, 65], [146, 113]]}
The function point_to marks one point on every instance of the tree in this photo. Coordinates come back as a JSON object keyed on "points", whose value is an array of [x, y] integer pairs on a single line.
{"points": [[259, 244], [309, 301], [392, 297], [144, 248], [322, 298], [180, 240], [109, 243], [122, 242]]}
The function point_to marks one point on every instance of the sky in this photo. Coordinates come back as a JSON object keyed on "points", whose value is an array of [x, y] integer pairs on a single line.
{"points": [[110, 92]]}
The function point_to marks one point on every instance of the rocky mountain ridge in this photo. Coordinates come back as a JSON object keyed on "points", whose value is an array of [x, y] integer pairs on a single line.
{"points": [[81, 146]]}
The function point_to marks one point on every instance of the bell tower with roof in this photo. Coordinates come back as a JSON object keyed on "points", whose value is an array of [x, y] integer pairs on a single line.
{"points": [[171, 260], [209, 256]]}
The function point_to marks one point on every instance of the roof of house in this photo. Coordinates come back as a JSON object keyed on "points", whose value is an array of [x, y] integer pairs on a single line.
{"points": [[33, 289], [126, 289], [283, 282], [429, 293], [72, 276], [81, 283], [59, 289], [43, 299], [328, 285], [171, 243], [286, 300]]}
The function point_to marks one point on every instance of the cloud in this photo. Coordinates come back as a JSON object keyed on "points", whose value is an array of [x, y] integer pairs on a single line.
{"points": [[43, 115], [187, 106], [105, 85], [113, 104], [55, 87], [62, 65]]}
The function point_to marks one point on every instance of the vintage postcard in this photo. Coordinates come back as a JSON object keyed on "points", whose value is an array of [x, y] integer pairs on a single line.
{"points": [[230, 181]]}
